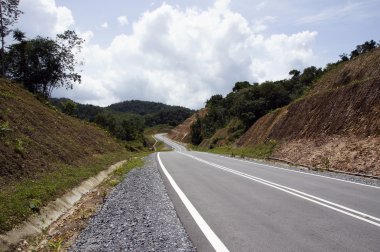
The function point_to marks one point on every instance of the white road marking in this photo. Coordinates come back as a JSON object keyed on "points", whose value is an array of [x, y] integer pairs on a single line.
{"points": [[331, 205], [205, 228], [271, 166], [285, 169]]}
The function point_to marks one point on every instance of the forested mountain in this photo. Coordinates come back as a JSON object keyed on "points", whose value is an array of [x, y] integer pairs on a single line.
{"points": [[125, 120]]}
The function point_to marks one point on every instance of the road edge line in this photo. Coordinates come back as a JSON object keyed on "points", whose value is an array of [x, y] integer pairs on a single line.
{"points": [[214, 240]]}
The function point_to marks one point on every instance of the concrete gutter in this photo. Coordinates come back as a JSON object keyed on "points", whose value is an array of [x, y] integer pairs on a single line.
{"points": [[55, 209]]}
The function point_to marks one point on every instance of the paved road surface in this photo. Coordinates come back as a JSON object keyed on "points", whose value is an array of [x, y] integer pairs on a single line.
{"points": [[227, 204]]}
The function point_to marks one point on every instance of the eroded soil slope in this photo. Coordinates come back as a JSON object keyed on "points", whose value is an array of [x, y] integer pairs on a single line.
{"points": [[336, 126], [182, 132]]}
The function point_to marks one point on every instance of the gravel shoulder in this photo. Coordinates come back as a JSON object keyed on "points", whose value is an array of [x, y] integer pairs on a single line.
{"points": [[137, 215]]}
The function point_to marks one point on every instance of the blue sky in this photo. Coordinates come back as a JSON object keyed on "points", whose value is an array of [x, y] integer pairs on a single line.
{"points": [[182, 52]]}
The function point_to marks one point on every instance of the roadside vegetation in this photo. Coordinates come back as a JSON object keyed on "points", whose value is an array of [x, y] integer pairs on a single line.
{"points": [[259, 151], [27, 196], [71, 225]]}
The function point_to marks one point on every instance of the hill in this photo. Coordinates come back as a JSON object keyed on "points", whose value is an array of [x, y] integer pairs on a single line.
{"points": [[125, 120], [43, 152], [337, 125], [138, 107], [321, 118]]}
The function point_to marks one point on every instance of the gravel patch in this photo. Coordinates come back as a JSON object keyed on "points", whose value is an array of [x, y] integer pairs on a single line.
{"points": [[138, 215]]}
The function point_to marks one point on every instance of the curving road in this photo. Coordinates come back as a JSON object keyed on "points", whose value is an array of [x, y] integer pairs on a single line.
{"points": [[229, 204]]}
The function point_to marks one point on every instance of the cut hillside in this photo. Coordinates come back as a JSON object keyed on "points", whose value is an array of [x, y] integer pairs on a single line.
{"points": [[35, 137], [336, 126], [182, 131]]}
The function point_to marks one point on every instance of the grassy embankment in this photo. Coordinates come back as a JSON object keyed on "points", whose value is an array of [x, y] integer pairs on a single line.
{"points": [[21, 200], [44, 153], [260, 151], [150, 132]]}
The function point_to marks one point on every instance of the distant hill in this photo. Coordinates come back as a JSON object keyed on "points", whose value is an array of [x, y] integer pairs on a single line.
{"points": [[153, 113], [138, 107]]}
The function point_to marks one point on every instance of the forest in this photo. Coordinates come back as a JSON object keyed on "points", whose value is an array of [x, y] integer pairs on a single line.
{"points": [[125, 120]]}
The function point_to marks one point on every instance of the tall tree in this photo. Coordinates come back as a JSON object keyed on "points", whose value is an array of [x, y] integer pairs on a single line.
{"points": [[43, 64], [9, 14]]}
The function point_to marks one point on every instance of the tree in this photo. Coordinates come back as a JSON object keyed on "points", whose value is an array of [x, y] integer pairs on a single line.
{"points": [[364, 48], [69, 107], [294, 73], [344, 57], [9, 14], [240, 85], [196, 132], [43, 64]]}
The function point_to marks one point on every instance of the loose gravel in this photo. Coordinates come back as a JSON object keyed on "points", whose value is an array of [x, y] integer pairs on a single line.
{"points": [[138, 215]]}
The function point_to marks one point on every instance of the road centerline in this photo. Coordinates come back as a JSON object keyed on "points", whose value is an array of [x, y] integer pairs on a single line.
{"points": [[322, 202]]}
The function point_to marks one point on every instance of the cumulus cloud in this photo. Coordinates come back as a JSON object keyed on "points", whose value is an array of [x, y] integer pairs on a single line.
{"points": [[44, 17], [183, 56], [123, 20], [261, 24]]}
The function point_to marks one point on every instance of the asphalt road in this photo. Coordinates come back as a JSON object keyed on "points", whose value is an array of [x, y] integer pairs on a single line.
{"points": [[227, 204]]}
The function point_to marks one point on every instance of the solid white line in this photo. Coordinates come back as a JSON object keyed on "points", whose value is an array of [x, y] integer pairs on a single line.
{"points": [[285, 169], [205, 228], [336, 207]]}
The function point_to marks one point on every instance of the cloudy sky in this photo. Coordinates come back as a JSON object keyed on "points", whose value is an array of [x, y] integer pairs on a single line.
{"points": [[181, 52]]}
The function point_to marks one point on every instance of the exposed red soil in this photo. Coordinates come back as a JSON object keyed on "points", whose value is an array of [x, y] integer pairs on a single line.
{"points": [[336, 126], [182, 132]]}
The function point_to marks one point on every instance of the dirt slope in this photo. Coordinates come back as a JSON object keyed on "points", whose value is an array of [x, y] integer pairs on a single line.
{"points": [[182, 132], [336, 126], [35, 137]]}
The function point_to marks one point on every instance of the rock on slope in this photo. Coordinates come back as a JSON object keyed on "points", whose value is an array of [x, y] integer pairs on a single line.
{"points": [[337, 125]]}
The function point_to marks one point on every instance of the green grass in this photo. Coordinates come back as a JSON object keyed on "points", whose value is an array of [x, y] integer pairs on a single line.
{"points": [[135, 161], [161, 128], [161, 146], [260, 151], [19, 201]]}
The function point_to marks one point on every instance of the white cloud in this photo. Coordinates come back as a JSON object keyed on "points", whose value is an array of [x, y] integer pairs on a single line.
{"points": [[260, 25], [44, 17], [123, 20], [183, 56], [350, 9], [104, 25]]}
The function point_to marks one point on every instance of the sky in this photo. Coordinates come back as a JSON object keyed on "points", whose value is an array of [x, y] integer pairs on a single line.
{"points": [[180, 52]]}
